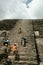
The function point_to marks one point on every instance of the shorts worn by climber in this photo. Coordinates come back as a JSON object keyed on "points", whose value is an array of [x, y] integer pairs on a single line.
{"points": [[14, 48]]}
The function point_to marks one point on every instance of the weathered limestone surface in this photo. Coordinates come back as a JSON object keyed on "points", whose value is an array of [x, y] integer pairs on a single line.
{"points": [[38, 26], [28, 53]]}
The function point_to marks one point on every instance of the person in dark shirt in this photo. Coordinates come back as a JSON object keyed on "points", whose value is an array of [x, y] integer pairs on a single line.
{"points": [[23, 41]]}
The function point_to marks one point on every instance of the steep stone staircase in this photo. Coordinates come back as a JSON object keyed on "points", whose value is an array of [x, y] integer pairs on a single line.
{"points": [[28, 53]]}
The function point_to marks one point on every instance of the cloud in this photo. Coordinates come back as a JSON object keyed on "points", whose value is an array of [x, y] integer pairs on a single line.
{"points": [[16, 9], [36, 9]]}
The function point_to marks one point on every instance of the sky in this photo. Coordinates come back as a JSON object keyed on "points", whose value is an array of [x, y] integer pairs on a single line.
{"points": [[17, 9]]}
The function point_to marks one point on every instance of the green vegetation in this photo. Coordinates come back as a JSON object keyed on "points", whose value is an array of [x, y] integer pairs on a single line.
{"points": [[7, 24]]}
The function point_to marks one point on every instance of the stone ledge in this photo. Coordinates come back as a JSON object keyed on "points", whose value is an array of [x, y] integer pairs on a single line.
{"points": [[26, 62]]}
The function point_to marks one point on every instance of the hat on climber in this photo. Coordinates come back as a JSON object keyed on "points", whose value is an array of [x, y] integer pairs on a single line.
{"points": [[14, 43]]}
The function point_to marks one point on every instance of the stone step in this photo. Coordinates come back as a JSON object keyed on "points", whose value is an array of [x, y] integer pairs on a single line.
{"points": [[41, 63], [26, 49], [27, 58], [21, 54], [23, 58], [25, 63], [27, 53]]}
